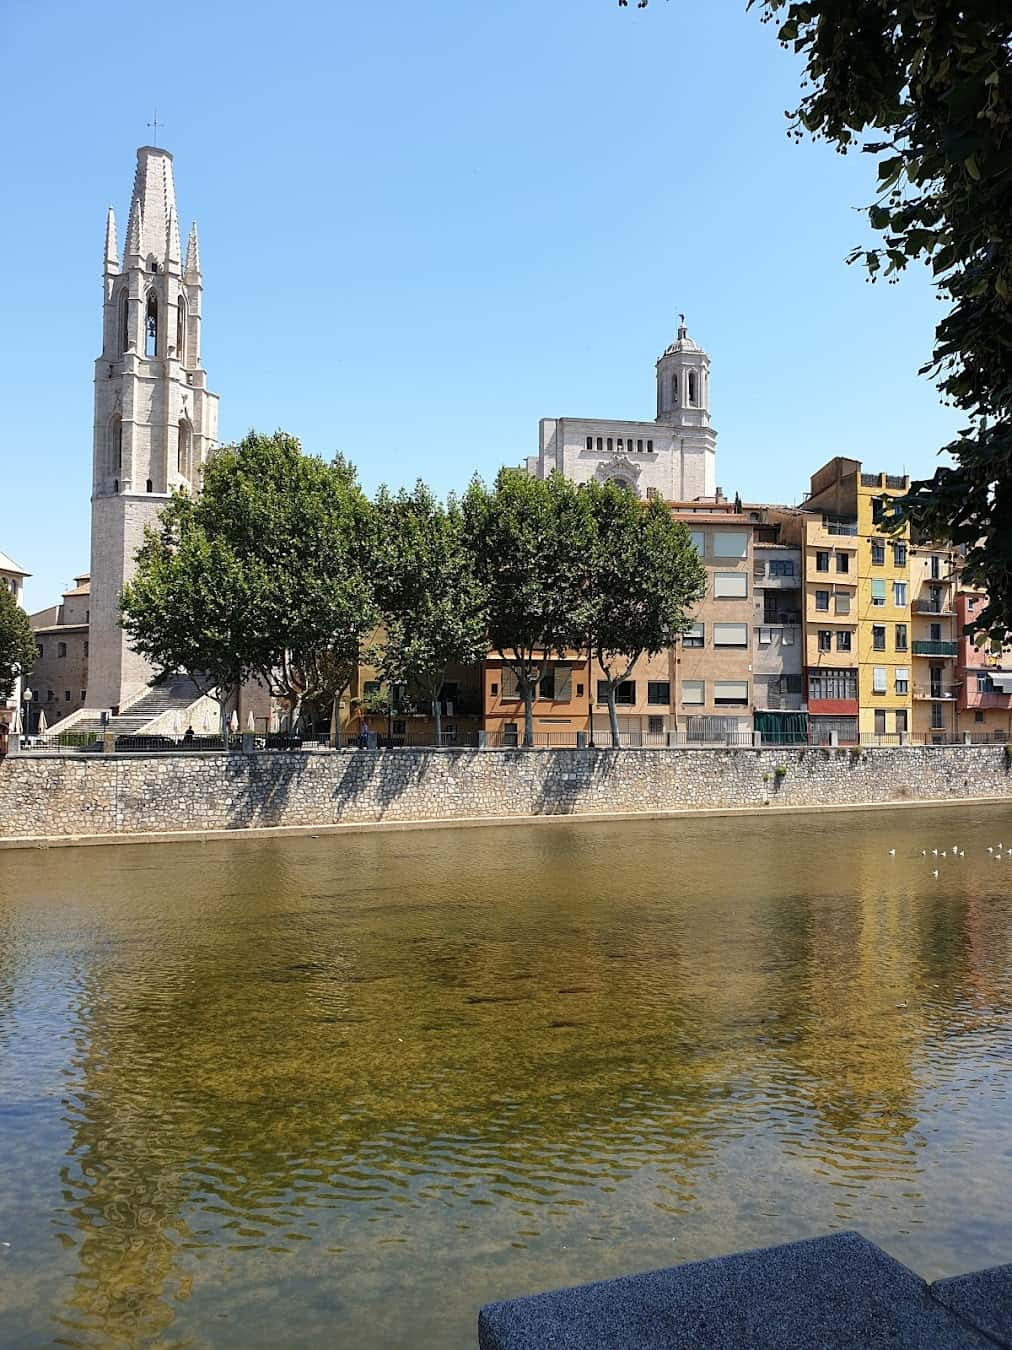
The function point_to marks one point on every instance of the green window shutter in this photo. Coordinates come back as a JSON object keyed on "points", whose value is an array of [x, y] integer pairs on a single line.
{"points": [[878, 589]]}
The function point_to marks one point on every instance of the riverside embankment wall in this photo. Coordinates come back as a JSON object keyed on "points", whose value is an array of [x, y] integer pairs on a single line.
{"points": [[50, 796]]}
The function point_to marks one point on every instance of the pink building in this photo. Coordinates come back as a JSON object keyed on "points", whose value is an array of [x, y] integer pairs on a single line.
{"points": [[985, 679]]}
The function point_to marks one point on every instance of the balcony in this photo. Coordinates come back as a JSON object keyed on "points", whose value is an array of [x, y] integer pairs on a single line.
{"points": [[928, 648], [936, 693], [840, 527], [941, 611]]}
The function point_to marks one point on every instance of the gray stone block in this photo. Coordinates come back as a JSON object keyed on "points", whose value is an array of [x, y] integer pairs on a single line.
{"points": [[826, 1293], [983, 1298]]}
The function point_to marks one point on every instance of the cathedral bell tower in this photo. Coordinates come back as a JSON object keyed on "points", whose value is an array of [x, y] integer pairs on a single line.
{"points": [[683, 405], [155, 419]]}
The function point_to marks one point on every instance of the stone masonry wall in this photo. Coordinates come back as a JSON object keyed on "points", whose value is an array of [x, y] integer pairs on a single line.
{"points": [[129, 794]]}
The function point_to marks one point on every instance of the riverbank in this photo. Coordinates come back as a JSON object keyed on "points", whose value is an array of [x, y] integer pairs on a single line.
{"points": [[163, 797]]}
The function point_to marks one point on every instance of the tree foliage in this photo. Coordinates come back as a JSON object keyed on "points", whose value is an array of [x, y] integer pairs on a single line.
{"points": [[430, 600], [17, 642], [925, 86], [529, 540], [266, 573], [644, 576]]}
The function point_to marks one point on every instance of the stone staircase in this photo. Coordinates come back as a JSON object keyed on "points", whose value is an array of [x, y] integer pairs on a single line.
{"points": [[176, 695]]}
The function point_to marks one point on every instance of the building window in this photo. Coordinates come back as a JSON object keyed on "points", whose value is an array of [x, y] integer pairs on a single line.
{"points": [[880, 721], [84, 695], [878, 593], [86, 646], [934, 632], [150, 486], [600, 443], [183, 449], [494, 688], [822, 600], [650, 447], [730, 543], [822, 561], [116, 445], [655, 726], [877, 510], [985, 685], [61, 649], [825, 640], [698, 538], [878, 553], [841, 602], [625, 693], [620, 443], [609, 445], [730, 634], [151, 325], [937, 717], [843, 641], [900, 594], [639, 447], [49, 695], [66, 695], [124, 322], [878, 680], [38, 649], [590, 442], [546, 686], [730, 585], [181, 330], [902, 678], [901, 637], [843, 562], [901, 719], [787, 636], [730, 692], [659, 691], [900, 556], [674, 391], [936, 567], [694, 635], [693, 390], [878, 637], [781, 567], [694, 691], [978, 717], [579, 691]]}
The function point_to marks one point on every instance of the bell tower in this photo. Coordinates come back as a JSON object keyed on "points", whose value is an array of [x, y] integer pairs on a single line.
{"points": [[683, 405], [155, 419]]}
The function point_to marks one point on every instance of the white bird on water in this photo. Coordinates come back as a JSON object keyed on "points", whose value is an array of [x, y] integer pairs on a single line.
{"points": [[935, 872], [892, 853]]}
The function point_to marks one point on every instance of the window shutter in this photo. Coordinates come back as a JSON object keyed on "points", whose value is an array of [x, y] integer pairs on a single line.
{"points": [[563, 684]]}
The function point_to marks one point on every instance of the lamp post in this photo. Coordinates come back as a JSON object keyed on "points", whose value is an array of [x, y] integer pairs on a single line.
{"points": [[27, 696]]}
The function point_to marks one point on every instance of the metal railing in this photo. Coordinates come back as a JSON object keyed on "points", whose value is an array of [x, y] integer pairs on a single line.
{"points": [[839, 527], [934, 647]]}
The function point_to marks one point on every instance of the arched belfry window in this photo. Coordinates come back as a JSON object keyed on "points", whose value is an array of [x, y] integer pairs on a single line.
{"points": [[151, 325], [116, 445], [674, 390], [693, 390], [124, 322], [184, 444], [181, 330]]}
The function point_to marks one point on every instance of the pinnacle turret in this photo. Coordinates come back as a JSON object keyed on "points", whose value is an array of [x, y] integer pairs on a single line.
{"points": [[192, 269], [133, 249], [172, 249], [111, 250]]}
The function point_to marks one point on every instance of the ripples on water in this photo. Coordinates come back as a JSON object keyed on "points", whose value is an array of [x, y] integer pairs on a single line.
{"points": [[341, 1091]]}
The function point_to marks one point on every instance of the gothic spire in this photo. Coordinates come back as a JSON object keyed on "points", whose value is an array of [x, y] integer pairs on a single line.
{"points": [[154, 197], [133, 236], [111, 252], [192, 269]]}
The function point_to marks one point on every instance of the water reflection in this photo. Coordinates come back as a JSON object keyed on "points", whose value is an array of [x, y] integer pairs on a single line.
{"points": [[345, 1089]]}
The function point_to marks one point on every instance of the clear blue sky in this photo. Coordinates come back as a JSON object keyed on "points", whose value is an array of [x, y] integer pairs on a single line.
{"points": [[426, 225]]}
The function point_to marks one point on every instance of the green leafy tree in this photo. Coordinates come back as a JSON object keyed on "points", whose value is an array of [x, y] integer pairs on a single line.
{"points": [[529, 540], [17, 642], [190, 604], [431, 602], [925, 86], [645, 575]]}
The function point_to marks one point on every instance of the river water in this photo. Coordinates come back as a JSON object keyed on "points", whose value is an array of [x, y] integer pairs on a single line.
{"points": [[342, 1090]]}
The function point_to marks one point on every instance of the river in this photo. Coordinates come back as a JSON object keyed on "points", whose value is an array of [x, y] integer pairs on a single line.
{"points": [[342, 1090]]}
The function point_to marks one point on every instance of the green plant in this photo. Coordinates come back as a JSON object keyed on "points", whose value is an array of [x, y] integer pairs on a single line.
{"points": [[780, 771]]}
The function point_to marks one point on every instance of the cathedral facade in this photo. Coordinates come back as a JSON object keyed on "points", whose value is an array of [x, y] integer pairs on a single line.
{"points": [[155, 419], [673, 457]]}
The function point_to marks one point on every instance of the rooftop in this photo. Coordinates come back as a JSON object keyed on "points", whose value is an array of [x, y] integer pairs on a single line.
{"points": [[9, 565]]}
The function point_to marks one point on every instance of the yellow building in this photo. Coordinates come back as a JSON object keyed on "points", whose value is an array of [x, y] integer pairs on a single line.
{"points": [[853, 501]]}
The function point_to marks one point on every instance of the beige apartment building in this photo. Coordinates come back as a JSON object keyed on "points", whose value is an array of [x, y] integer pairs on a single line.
{"points": [[59, 678]]}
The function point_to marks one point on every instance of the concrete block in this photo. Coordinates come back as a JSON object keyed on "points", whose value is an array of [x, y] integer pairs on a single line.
{"points": [[831, 1293], [983, 1298]]}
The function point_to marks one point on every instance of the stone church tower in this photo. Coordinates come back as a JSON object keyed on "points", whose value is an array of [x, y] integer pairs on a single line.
{"points": [[155, 419]]}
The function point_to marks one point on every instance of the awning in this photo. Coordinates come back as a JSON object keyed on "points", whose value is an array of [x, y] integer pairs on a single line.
{"points": [[1002, 679]]}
